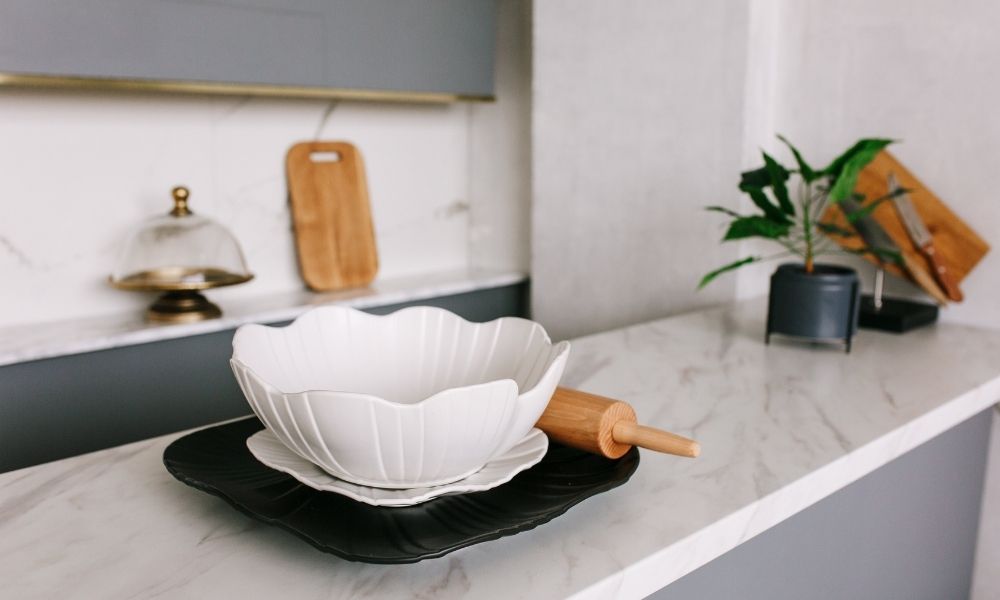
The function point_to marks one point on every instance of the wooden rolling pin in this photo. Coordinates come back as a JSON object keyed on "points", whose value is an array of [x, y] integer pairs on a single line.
{"points": [[605, 426]]}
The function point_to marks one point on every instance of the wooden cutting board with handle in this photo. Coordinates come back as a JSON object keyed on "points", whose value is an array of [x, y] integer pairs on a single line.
{"points": [[958, 246], [334, 235]]}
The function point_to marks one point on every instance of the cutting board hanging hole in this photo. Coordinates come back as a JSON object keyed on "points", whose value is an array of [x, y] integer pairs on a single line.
{"points": [[324, 157]]}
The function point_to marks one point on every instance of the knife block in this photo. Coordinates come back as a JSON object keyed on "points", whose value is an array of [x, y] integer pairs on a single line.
{"points": [[897, 316]]}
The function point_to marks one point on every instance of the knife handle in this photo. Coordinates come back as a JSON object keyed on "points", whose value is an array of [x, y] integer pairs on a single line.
{"points": [[924, 279], [941, 273]]}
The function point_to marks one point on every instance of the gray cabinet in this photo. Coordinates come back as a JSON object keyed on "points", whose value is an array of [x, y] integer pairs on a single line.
{"points": [[433, 50]]}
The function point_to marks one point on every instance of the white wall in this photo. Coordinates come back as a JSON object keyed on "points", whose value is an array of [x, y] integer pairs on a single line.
{"points": [[79, 169], [646, 82], [922, 72], [637, 124], [500, 151]]}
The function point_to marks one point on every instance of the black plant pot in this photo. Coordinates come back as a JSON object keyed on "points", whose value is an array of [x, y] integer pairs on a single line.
{"points": [[821, 306]]}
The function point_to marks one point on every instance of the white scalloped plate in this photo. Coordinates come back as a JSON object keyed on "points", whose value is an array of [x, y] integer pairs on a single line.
{"points": [[526, 453]]}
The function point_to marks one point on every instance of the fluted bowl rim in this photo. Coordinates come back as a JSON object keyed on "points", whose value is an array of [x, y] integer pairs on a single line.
{"points": [[561, 347]]}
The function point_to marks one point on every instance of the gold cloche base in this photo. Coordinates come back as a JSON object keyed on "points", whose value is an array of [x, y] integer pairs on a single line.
{"points": [[181, 301], [186, 306]]}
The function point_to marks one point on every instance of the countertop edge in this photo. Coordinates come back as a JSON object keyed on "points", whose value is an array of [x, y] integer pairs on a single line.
{"points": [[673, 562], [103, 333]]}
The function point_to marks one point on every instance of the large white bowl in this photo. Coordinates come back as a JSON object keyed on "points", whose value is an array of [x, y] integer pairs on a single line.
{"points": [[420, 397]]}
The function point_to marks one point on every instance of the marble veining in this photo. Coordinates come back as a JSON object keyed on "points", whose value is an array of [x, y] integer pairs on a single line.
{"points": [[61, 236], [21, 343], [781, 427]]}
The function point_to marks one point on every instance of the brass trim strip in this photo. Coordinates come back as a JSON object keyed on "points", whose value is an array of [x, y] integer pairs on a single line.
{"points": [[232, 89]]}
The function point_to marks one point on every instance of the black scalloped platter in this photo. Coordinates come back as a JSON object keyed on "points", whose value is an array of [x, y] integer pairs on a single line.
{"points": [[216, 460]]}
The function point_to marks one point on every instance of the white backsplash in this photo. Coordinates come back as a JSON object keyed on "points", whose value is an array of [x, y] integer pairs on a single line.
{"points": [[81, 169]]}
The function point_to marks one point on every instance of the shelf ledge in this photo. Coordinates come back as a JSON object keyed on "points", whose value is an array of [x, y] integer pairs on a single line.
{"points": [[23, 343]]}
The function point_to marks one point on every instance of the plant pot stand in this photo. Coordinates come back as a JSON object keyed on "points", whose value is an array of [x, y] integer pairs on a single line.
{"points": [[819, 307]]}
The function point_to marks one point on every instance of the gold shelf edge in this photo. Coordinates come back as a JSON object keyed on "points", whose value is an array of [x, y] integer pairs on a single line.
{"points": [[233, 89]]}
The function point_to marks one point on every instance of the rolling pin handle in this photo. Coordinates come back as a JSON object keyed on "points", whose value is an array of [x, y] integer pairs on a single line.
{"points": [[627, 432]]}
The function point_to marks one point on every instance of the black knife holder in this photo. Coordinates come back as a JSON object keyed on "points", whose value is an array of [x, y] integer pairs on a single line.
{"points": [[895, 315]]}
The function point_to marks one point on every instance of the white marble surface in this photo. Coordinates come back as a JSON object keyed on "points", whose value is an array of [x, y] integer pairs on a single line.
{"points": [[781, 427], [22, 343]]}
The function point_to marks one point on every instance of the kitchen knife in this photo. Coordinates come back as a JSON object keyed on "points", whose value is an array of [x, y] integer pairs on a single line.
{"points": [[876, 237], [922, 238]]}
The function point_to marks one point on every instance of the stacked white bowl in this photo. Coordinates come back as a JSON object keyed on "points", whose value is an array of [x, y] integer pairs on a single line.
{"points": [[414, 399]]}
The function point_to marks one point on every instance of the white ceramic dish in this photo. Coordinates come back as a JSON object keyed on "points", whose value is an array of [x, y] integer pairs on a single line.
{"points": [[418, 398], [499, 470]]}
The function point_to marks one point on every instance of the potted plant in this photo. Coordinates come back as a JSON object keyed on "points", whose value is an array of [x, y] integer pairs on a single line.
{"points": [[808, 299]]}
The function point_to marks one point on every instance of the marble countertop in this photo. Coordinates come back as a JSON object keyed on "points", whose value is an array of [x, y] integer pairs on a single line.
{"points": [[33, 342], [781, 427]]}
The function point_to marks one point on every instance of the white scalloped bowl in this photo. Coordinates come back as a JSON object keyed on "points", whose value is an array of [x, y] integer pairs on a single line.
{"points": [[417, 398]]}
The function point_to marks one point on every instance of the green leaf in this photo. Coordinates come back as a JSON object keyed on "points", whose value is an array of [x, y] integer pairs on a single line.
{"points": [[764, 203], [880, 253], [733, 265], [724, 210], [755, 226], [844, 169], [871, 146], [757, 178], [807, 172], [778, 176], [861, 213], [893, 256], [831, 229], [754, 183], [867, 209]]}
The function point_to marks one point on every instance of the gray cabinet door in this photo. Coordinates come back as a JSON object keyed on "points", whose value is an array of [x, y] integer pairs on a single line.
{"points": [[425, 49]]}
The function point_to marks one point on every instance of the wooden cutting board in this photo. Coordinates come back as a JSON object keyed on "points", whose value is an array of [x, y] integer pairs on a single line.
{"points": [[334, 235], [958, 245]]}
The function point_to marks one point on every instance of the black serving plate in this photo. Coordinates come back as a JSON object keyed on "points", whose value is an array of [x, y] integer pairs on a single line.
{"points": [[216, 460]]}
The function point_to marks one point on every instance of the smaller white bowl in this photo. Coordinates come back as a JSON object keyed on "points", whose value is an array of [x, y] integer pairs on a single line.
{"points": [[417, 398], [499, 470]]}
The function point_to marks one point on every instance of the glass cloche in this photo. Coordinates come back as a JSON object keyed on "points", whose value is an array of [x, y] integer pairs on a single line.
{"points": [[179, 254]]}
